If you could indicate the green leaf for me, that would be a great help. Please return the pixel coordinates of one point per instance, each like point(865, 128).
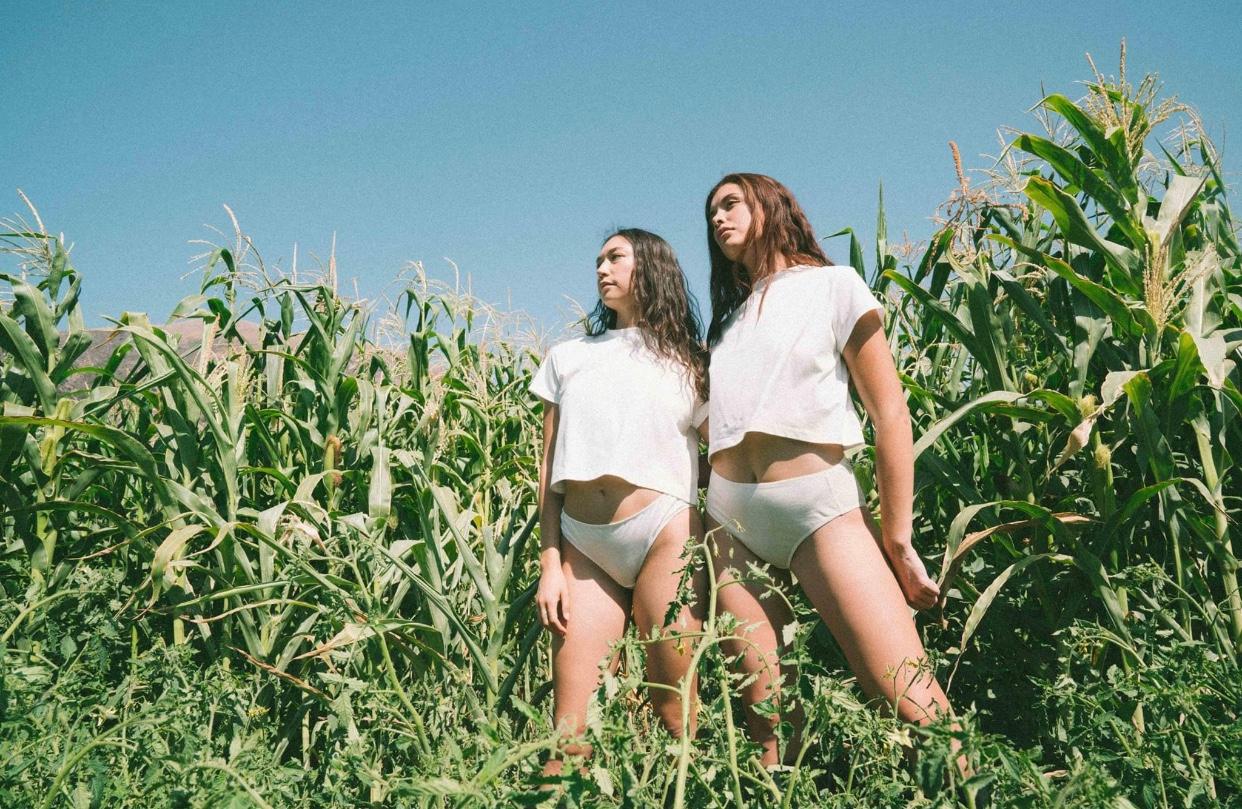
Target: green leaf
point(1114, 386)
point(445, 609)
point(1096, 186)
point(169, 550)
point(379, 494)
point(936, 308)
point(446, 501)
point(1133, 503)
point(1107, 300)
point(75, 345)
point(30, 304)
point(989, 594)
point(1030, 307)
point(1178, 199)
point(957, 530)
point(1214, 352)
point(989, 335)
point(1090, 564)
point(1077, 228)
point(129, 447)
point(856, 256)
point(1186, 368)
point(980, 405)
point(18, 343)
point(1116, 163)
point(1153, 446)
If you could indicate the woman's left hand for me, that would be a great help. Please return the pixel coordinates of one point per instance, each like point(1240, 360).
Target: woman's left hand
point(920, 590)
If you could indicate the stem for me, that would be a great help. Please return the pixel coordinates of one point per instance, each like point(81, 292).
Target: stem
point(28, 610)
point(683, 689)
point(72, 760)
point(707, 639)
point(405, 699)
point(1041, 586)
point(245, 785)
point(730, 726)
point(1229, 566)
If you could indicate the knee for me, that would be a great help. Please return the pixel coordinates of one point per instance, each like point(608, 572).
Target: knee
point(921, 710)
point(570, 728)
point(667, 708)
point(576, 748)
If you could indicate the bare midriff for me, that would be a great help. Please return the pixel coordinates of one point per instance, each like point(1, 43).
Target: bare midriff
point(605, 499)
point(763, 458)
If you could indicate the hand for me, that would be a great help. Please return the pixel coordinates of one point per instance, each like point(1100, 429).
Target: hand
point(919, 589)
point(552, 599)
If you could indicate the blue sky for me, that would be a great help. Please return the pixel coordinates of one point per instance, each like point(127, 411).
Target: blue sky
point(511, 137)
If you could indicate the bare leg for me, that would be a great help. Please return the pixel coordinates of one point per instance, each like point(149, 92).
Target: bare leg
point(668, 661)
point(759, 637)
point(847, 579)
point(600, 607)
point(845, 575)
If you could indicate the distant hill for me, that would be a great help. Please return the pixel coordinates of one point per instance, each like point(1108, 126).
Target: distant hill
point(189, 333)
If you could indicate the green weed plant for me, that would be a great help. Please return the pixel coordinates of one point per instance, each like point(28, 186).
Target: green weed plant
point(289, 562)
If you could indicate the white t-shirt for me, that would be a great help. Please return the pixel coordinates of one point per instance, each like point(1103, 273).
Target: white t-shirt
point(777, 368)
point(624, 412)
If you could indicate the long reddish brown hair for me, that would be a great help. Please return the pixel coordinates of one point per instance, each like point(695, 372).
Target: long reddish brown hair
point(778, 229)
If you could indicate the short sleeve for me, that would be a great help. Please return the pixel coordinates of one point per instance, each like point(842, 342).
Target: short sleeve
point(853, 300)
point(700, 415)
point(546, 383)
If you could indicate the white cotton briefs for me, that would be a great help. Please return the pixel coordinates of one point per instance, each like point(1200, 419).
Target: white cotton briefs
point(620, 548)
point(777, 368)
point(773, 519)
point(623, 412)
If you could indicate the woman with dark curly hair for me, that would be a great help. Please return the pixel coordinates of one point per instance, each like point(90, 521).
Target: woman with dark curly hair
point(622, 406)
point(789, 333)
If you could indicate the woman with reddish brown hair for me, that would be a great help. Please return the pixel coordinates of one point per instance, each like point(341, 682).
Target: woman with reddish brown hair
point(789, 332)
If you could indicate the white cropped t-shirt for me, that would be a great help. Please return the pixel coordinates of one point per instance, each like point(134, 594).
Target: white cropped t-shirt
point(623, 411)
point(777, 367)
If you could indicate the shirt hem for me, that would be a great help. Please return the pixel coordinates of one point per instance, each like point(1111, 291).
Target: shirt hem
point(558, 486)
point(846, 443)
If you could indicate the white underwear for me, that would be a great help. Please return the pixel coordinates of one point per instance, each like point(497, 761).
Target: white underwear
point(620, 548)
point(772, 519)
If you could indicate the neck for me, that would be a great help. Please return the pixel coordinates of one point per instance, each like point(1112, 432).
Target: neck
point(625, 319)
point(779, 262)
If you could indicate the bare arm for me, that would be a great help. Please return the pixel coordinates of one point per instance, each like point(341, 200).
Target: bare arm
point(874, 374)
point(552, 597)
point(550, 502)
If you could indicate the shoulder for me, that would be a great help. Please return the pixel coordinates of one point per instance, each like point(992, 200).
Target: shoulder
point(812, 283)
point(572, 345)
point(842, 280)
point(835, 273)
point(821, 275)
point(572, 349)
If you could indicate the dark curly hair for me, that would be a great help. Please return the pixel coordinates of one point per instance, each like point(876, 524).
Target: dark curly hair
point(778, 227)
point(667, 312)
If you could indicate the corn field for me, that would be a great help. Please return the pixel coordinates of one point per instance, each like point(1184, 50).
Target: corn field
point(291, 561)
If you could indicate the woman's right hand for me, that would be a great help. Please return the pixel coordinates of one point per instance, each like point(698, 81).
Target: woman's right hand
point(552, 599)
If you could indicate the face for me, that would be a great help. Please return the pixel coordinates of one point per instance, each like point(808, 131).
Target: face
point(730, 218)
point(614, 274)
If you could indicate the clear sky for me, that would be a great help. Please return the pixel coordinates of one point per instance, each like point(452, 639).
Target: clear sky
point(510, 137)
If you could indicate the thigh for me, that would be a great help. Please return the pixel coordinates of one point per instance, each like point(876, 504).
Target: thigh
point(657, 589)
point(660, 577)
point(760, 606)
point(846, 576)
point(762, 613)
point(598, 607)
